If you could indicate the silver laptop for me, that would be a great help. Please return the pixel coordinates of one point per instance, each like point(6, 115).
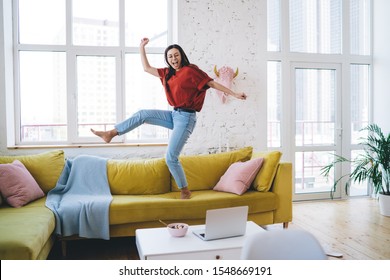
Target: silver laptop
point(224, 223)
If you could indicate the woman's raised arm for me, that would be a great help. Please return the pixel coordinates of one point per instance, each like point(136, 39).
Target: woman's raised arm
point(220, 87)
point(145, 63)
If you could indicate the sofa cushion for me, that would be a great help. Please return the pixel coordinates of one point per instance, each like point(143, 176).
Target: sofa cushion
point(17, 185)
point(25, 231)
point(148, 176)
point(45, 167)
point(239, 176)
point(169, 206)
point(204, 171)
point(265, 177)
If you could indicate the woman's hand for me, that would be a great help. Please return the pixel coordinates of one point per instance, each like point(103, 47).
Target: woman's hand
point(144, 42)
point(240, 95)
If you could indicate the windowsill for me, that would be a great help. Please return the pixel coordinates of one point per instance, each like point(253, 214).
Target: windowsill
point(76, 146)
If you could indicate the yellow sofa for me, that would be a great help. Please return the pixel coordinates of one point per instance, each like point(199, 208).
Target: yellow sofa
point(143, 193)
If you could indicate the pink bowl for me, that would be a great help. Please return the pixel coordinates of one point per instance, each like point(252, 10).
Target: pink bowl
point(177, 229)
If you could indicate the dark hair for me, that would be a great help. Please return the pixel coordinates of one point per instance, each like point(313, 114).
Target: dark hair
point(184, 61)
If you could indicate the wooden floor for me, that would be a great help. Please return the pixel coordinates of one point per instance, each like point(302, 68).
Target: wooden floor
point(352, 227)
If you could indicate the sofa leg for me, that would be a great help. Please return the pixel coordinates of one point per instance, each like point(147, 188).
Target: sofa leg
point(63, 249)
point(285, 225)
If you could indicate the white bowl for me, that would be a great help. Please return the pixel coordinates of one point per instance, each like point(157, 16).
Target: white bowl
point(177, 229)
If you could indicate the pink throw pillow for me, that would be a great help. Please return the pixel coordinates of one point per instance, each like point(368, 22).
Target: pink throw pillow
point(239, 176)
point(17, 186)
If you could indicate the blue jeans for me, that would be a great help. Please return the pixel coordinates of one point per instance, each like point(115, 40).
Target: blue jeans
point(181, 123)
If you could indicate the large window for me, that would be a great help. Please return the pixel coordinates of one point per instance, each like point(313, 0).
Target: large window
point(315, 26)
point(78, 67)
point(319, 86)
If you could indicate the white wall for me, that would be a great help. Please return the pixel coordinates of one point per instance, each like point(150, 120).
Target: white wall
point(231, 33)
point(381, 69)
point(2, 85)
point(217, 32)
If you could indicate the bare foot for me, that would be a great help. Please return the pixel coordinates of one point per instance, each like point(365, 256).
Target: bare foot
point(185, 193)
point(105, 135)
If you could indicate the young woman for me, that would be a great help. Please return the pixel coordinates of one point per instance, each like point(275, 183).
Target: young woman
point(185, 88)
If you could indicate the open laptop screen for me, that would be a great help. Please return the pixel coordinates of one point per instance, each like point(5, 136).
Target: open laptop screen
point(224, 223)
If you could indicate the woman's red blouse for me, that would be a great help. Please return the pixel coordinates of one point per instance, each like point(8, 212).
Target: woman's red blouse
point(187, 88)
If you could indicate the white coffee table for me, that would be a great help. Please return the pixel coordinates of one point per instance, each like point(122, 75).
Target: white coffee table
point(158, 244)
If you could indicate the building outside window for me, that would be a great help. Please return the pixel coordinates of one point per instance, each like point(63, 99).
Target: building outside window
point(78, 67)
point(319, 86)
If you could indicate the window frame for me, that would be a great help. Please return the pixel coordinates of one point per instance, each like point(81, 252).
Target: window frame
point(71, 52)
point(286, 58)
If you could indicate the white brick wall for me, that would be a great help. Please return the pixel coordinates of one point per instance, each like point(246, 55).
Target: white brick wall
point(217, 32)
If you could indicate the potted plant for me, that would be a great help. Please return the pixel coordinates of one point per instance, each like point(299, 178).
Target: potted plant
point(372, 165)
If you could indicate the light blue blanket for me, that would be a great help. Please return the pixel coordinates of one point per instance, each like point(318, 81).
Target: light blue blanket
point(81, 199)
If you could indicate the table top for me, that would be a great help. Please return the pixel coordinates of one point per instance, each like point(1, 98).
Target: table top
point(157, 241)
